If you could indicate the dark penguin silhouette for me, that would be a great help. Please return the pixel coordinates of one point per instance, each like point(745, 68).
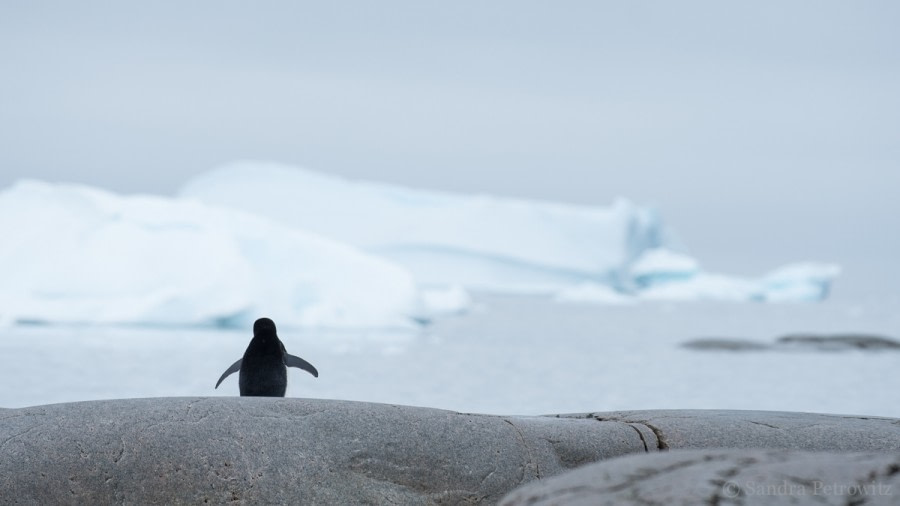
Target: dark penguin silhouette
point(264, 366)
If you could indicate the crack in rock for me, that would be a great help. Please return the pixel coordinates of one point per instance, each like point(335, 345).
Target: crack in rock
point(640, 435)
point(661, 443)
point(531, 462)
point(121, 453)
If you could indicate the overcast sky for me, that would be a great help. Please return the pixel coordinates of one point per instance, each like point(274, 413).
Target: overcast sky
point(765, 131)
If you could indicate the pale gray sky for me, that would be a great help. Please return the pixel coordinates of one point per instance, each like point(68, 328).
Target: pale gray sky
point(765, 131)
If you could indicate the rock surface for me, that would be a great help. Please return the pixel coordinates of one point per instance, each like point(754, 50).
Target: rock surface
point(289, 451)
point(724, 344)
point(721, 477)
point(833, 342)
point(795, 342)
point(284, 450)
point(697, 428)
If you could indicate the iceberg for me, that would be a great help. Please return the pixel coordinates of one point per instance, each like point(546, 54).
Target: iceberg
point(610, 255)
point(307, 249)
point(477, 241)
point(804, 282)
point(667, 276)
point(660, 266)
point(74, 254)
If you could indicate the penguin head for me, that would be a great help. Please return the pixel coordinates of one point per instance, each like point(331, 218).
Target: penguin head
point(263, 326)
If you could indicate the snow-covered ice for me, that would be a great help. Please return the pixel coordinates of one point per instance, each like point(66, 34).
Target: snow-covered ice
point(661, 266)
point(499, 244)
point(798, 282)
point(479, 241)
point(314, 250)
point(74, 254)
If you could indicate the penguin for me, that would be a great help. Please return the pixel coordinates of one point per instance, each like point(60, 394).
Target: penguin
point(264, 365)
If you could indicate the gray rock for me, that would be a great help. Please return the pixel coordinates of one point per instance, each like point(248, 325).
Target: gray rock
point(284, 450)
point(720, 477)
point(832, 342)
point(698, 428)
point(815, 342)
point(277, 450)
point(724, 344)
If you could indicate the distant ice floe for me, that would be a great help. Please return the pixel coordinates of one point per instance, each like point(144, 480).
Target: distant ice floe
point(307, 249)
point(778, 286)
point(662, 275)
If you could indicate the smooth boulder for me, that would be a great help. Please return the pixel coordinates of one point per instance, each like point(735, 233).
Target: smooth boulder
point(699, 428)
point(720, 477)
point(286, 450)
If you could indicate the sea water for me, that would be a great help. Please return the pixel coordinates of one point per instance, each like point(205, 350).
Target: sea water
point(508, 355)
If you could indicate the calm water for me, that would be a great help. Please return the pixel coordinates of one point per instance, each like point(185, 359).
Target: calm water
point(511, 355)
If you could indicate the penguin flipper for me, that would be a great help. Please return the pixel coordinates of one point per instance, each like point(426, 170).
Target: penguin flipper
point(235, 367)
point(292, 361)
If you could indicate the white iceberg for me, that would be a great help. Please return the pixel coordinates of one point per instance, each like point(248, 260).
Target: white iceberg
point(478, 241)
point(661, 275)
point(661, 266)
point(73, 254)
point(577, 253)
point(805, 282)
point(312, 250)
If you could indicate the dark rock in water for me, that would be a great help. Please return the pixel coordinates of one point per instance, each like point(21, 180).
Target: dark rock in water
point(724, 344)
point(823, 342)
point(840, 341)
point(744, 477)
point(270, 450)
